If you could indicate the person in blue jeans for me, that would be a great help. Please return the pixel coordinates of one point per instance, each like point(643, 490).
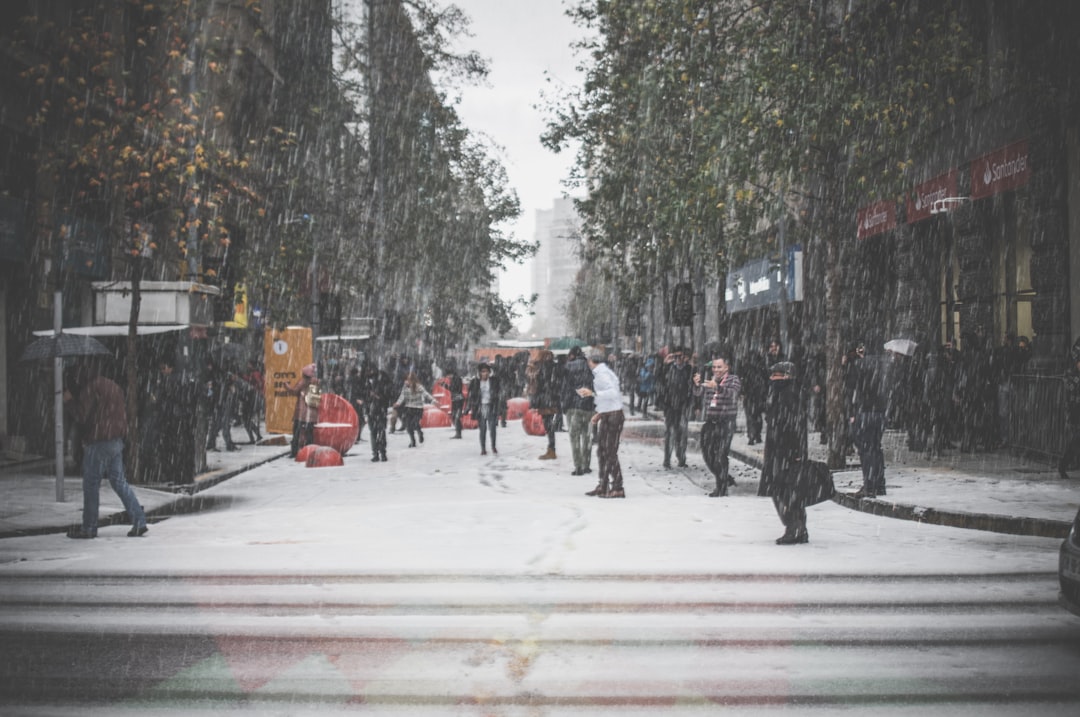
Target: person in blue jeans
point(99, 410)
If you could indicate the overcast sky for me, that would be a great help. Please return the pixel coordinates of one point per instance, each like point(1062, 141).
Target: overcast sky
point(522, 40)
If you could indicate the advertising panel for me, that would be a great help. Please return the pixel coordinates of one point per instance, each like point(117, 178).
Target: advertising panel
point(286, 352)
point(875, 218)
point(920, 202)
point(1001, 170)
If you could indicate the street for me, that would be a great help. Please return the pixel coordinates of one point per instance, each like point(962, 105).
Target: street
point(443, 582)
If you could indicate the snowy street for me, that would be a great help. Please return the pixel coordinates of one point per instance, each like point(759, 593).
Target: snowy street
point(447, 582)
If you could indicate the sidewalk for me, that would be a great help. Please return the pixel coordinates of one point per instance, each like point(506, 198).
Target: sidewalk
point(28, 490)
point(996, 492)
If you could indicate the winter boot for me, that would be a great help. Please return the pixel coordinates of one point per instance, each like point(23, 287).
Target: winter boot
point(550, 455)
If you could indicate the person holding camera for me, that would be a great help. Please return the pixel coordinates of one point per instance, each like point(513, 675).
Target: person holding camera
point(721, 392)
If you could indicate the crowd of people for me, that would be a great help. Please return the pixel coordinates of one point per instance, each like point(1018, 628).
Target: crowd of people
point(943, 399)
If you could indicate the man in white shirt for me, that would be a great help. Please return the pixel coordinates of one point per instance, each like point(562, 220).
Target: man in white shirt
point(609, 424)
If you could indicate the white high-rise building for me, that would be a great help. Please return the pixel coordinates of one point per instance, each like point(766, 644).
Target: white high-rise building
point(555, 266)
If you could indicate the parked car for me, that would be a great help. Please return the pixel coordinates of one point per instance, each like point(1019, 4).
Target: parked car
point(1069, 569)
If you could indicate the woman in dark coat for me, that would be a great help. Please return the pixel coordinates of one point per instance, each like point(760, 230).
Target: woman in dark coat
point(785, 454)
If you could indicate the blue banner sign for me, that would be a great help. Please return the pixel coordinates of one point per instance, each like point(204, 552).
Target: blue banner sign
point(763, 282)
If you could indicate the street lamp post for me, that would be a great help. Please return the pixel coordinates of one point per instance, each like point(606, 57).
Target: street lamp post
point(310, 221)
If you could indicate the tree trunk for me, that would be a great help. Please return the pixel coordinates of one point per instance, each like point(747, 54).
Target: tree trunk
point(132, 374)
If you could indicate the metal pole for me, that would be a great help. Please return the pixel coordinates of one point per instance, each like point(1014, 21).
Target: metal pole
point(58, 398)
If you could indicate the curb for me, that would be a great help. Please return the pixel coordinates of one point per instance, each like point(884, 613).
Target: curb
point(1010, 525)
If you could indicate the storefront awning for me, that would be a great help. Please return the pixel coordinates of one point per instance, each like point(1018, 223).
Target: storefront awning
point(116, 330)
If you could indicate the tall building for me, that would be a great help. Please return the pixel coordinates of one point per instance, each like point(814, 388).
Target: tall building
point(555, 266)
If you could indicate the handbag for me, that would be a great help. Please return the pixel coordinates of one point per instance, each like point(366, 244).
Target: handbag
point(817, 482)
point(313, 397)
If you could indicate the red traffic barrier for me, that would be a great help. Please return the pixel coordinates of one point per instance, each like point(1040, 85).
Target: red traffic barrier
point(304, 452)
point(324, 456)
point(441, 392)
point(338, 424)
point(533, 423)
point(435, 417)
point(516, 408)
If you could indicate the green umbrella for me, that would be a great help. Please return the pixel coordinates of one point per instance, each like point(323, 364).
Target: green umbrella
point(566, 343)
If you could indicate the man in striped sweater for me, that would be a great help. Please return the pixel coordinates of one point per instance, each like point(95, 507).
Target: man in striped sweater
point(721, 406)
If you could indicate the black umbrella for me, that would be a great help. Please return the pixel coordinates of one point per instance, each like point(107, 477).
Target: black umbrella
point(61, 345)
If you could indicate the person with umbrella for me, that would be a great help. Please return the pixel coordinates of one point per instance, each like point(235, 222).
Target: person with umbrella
point(97, 405)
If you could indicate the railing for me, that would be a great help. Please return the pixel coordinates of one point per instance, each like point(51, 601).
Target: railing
point(1037, 415)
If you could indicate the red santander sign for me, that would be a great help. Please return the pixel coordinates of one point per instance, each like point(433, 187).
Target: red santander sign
point(1001, 170)
point(875, 218)
point(920, 202)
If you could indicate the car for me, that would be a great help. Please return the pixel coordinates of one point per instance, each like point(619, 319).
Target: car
point(1069, 569)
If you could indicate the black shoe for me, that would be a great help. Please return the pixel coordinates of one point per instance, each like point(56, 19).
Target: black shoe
point(374, 459)
point(682, 464)
point(383, 459)
point(80, 534)
point(666, 464)
point(577, 472)
point(793, 539)
point(138, 532)
point(718, 493)
point(231, 449)
point(587, 470)
point(421, 437)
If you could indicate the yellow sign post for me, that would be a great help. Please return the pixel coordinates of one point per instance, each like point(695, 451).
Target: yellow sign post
point(287, 351)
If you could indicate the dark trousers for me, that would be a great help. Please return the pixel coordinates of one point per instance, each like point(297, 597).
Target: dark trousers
point(412, 418)
point(487, 420)
point(715, 444)
point(869, 428)
point(608, 431)
point(303, 433)
point(1072, 447)
point(549, 428)
point(377, 433)
point(755, 412)
point(676, 434)
point(457, 408)
point(792, 512)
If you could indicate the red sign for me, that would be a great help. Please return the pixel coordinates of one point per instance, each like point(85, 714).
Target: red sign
point(876, 218)
point(920, 202)
point(1001, 170)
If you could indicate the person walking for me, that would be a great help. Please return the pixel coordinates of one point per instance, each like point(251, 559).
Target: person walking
point(677, 388)
point(785, 453)
point(305, 415)
point(544, 396)
point(484, 404)
point(251, 401)
point(410, 404)
point(456, 387)
point(721, 393)
point(97, 405)
point(646, 384)
point(608, 420)
point(378, 394)
point(578, 409)
point(1072, 414)
point(225, 392)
